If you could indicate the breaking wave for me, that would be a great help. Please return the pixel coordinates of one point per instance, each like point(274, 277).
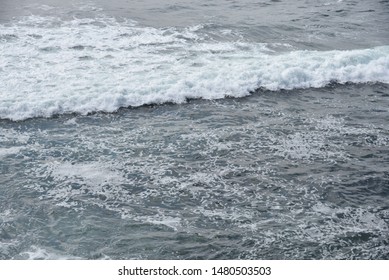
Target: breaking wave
point(49, 66)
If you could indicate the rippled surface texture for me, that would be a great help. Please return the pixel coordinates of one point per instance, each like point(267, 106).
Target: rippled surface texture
point(180, 130)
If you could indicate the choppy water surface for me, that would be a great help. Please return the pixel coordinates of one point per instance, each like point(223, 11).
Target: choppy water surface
point(259, 177)
point(267, 136)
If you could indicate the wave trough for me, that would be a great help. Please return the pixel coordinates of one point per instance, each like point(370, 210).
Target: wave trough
point(49, 66)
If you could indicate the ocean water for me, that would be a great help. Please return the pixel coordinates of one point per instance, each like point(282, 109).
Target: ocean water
point(194, 129)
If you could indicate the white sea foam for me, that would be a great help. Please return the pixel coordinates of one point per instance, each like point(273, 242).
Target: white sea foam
point(36, 253)
point(93, 174)
point(49, 66)
point(9, 151)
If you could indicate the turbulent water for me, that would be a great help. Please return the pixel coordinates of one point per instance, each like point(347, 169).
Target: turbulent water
point(194, 129)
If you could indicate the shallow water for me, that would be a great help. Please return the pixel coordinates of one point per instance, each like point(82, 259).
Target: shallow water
point(267, 137)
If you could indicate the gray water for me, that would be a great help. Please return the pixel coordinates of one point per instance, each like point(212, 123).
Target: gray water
point(297, 168)
point(307, 24)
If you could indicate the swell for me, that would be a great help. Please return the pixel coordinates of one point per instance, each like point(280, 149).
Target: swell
point(49, 66)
